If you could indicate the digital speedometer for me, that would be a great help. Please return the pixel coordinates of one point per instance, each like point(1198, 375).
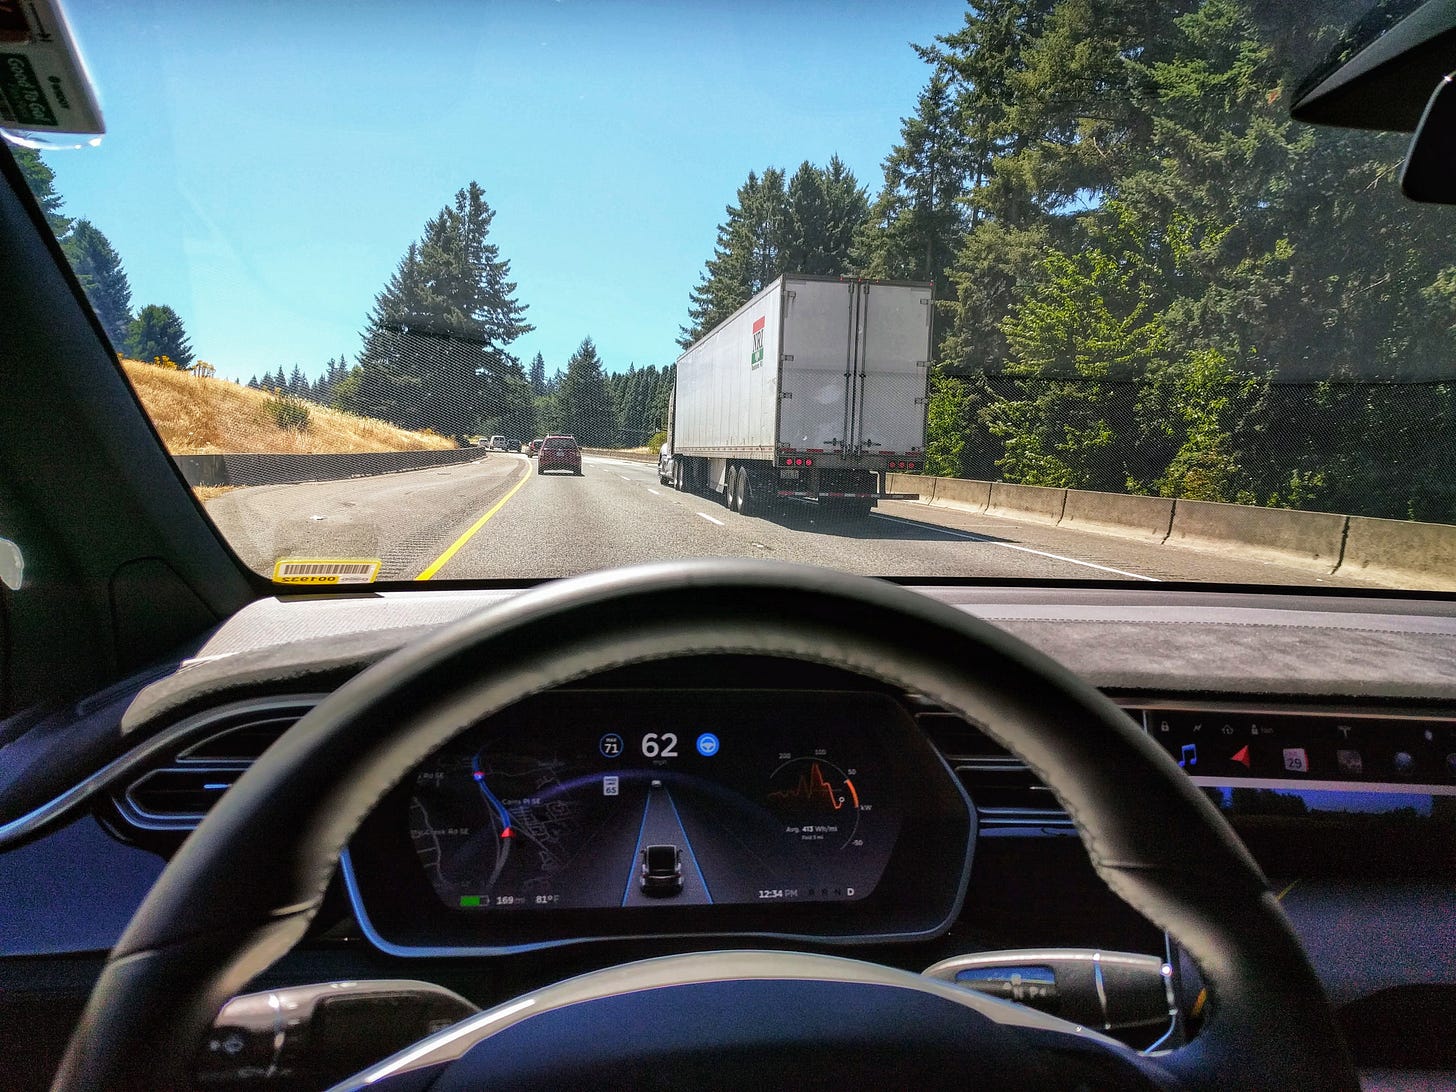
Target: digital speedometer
point(590, 813)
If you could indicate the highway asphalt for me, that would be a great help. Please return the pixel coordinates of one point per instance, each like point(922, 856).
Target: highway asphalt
point(499, 518)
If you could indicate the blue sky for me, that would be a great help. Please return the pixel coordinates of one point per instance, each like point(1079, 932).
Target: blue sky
point(267, 163)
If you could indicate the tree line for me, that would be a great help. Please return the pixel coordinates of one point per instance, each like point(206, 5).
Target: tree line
point(436, 352)
point(149, 333)
point(1148, 279)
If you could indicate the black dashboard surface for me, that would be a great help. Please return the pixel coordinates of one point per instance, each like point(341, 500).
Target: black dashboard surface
point(1370, 891)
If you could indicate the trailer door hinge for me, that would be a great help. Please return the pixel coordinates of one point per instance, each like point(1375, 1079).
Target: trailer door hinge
point(786, 394)
point(787, 358)
point(926, 302)
point(922, 401)
point(790, 294)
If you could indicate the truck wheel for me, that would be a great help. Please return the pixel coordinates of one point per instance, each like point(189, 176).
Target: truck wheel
point(747, 505)
point(730, 487)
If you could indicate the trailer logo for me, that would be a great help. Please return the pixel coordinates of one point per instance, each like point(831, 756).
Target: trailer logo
point(757, 358)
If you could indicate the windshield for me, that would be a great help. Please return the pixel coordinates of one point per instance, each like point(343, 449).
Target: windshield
point(1010, 290)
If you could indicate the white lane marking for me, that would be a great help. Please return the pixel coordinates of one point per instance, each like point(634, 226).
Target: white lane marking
point(654, 492)
point(710, 519)
point(969, 536)
point(624, 477)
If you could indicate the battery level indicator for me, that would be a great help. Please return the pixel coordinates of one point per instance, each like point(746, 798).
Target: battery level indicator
point(469, 900)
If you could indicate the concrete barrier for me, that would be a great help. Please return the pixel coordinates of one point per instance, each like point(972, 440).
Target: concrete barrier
point(281, 469)
point(1311, 540)
point(634, 456)
point(923, 484)
point(963, 493)
point(1036, 503)
point(1392, 551)
point(1122, 514)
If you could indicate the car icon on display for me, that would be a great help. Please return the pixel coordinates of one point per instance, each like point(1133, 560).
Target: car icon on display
point(661, 870)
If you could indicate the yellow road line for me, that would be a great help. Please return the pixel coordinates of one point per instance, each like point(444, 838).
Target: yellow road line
point(436, 565)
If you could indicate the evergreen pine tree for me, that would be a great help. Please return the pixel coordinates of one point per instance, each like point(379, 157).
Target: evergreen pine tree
point(585, 406)
point(98, 268)
point(919, 215)
point(807, 227)
point(42, 182)
point(435, 341)
point(745, 257)
point(157, 331)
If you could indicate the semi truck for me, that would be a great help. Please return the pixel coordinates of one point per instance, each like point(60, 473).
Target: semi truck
point(814, 390)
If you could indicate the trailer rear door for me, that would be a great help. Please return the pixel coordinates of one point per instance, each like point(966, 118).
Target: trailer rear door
point(892, 363)
point(816, 346)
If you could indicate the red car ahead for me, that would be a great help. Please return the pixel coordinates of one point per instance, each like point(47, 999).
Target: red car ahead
point(559, 453)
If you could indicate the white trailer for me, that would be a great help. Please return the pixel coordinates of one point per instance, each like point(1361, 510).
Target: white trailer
point(815, 389)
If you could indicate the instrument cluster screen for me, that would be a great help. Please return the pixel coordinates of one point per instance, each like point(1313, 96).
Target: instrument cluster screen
point(575, 804)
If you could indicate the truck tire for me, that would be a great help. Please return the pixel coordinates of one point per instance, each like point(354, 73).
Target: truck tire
point(747, 503)
point(730, 486)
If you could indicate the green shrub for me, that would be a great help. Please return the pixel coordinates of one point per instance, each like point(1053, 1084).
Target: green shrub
point(655, 442)
point(287, 411)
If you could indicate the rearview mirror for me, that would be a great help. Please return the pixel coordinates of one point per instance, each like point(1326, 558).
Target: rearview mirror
point(1429, 173)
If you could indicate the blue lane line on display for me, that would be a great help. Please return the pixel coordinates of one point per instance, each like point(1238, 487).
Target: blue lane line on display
point(637, 853)
point(687, 847)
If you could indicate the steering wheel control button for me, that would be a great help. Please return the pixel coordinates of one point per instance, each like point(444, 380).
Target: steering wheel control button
point(707, 745)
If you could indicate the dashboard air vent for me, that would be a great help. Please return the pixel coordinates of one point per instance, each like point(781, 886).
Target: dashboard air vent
point(177, 794)
point(1006, 794)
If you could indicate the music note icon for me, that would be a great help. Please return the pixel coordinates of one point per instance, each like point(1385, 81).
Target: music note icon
point(1190, 755)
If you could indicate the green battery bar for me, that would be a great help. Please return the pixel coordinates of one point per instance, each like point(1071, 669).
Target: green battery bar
point(469, 900)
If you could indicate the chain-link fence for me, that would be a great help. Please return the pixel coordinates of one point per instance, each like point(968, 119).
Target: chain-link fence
point(1359, 446)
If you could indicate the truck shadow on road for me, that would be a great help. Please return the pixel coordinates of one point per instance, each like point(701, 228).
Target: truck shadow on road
point(877, 526)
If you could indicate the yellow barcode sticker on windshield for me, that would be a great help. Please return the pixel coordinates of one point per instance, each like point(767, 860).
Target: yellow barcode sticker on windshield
point(326, 570)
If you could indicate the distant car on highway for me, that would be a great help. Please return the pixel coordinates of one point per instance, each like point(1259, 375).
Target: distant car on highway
point(559, 453)
point(513, 446)
point(535, 448)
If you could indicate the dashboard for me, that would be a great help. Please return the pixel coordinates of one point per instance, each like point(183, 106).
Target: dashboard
point(727, 802)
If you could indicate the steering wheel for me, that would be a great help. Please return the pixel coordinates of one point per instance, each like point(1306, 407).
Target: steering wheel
point(242, 889)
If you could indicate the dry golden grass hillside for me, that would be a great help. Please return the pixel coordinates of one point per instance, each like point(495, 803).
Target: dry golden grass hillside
point(202, 416)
